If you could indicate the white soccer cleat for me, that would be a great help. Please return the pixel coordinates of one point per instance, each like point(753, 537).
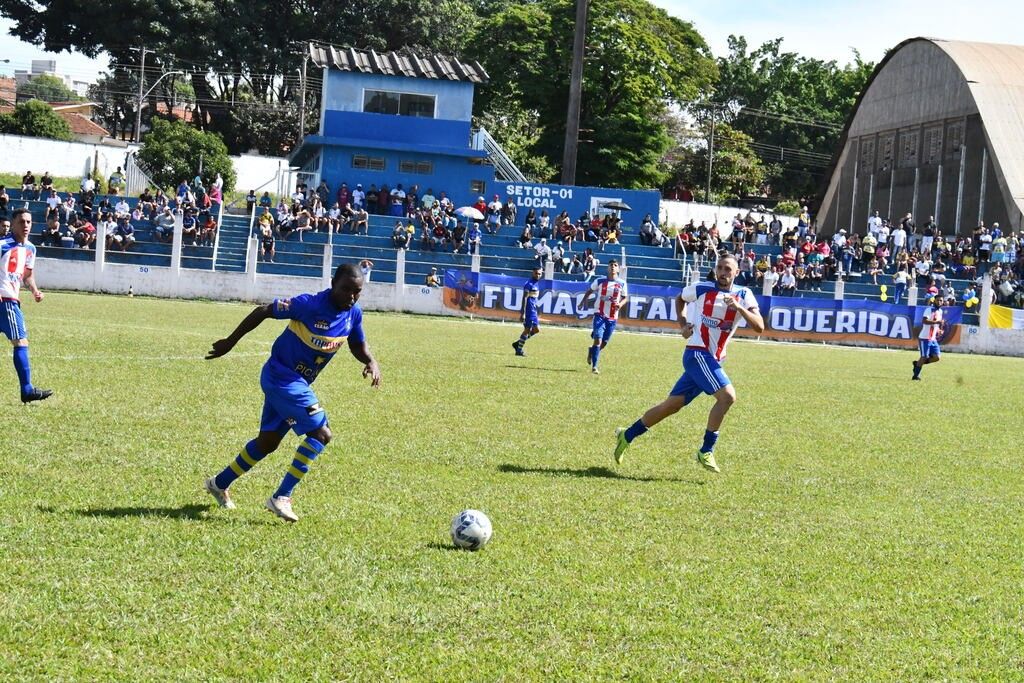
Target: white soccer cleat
point(282, 507)
point(222, 496)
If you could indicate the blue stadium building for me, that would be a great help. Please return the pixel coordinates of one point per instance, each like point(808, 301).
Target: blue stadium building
point(396, 118)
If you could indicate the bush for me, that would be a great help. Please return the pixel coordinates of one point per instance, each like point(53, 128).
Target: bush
point(35, 119)
point(173, 151)
point(788, 208)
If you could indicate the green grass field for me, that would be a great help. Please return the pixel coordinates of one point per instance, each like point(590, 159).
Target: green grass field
point(864, 527)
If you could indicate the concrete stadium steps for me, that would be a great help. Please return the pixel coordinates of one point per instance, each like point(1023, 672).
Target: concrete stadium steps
point(232, 244)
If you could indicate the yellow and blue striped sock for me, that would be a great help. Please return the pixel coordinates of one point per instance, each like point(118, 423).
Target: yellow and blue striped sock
point(243, 462)
point(306, 453)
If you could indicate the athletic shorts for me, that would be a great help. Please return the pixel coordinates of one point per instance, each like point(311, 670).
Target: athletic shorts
point(702, 374)
point(603, 328)
point(928, 348)
point(291, 405)
point(12, 322)
point(531, 321)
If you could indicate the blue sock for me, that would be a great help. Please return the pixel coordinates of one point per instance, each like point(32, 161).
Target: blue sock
point(243, 462)
point(710, 439)
point(636, 429)
point(595, 353)
point(23, 368)
point(304, 457)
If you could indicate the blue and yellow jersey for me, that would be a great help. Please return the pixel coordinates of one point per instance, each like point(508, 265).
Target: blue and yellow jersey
point(531, 290)
point(316, 332)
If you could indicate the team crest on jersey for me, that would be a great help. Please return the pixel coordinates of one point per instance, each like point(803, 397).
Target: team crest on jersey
point(322, 325)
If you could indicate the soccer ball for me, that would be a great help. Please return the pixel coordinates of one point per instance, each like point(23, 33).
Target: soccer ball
point(471, 530)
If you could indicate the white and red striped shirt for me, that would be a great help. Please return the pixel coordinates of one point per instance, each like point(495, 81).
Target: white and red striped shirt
point(15, 259)
point(713, 322)
point(931, 332)
point(609, 296)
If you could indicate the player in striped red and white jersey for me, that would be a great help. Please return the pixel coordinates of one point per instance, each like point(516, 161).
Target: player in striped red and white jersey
point(17, 260)
point(717, 309)
point(928, 338)
point(610, 295)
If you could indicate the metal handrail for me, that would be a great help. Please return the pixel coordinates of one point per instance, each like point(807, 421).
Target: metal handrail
point(216, 237)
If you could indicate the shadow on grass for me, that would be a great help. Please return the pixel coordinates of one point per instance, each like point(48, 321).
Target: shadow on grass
point(596, 472)
point(445, 546)
point(190, 511)
point(527, 367)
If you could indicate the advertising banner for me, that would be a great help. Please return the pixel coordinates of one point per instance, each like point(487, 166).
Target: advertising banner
point(649, 307)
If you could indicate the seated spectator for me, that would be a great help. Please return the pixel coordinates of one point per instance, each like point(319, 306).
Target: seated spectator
point(124, 235)
point(432, 279)
point(508, 212)
point(815, 274)
point(266, 201)
point(542, 252)
point(525, 237)
point(647, 228)
point(303, 222)
point(46, 182)
point(137, 214)
point(28, 181)
point(439, 234)
point(802, 276)
point(559, 258)
point(531, 220)
point(939, 272)
point(209, 231)
point(160, 201)
point(85, 234)
point(359, 222)
point(121, 208)
point(87, 186)
point(164, 230)
point(590, 264)
point(458, 237)
point(334, 219)
point(107, 229)
point(565, 230)
point(400, 237)
point(51, 231)
point(474, 238)
point(787, 282)
point(874, 270)
point(319, 220)
point(544, 225)
point(266, 234)
point(189, 229)
point(494, 216)
point(576, 267)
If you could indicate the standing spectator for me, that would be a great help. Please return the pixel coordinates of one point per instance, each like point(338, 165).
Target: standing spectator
point(774, 230)
point(344, 197)
point(358, 198)
point(397, 200)
point(900, 281)
point(427, 201)
point(493, 215)
point(266, 240)
point(984, 246)
point(647, 231)
point(366, 268)
point(5, 200)
point(250, 202)
point(209, 231)
point(874, 225)
point(928, 237)
point(899, 238)
point(372, 197)
point(323, 193)
point(115, 182)
point(868, 246)
point(909, 230)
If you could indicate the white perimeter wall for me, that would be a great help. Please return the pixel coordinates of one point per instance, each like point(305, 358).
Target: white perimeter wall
point(680, 213)
point(194, 284)
point(19, 154)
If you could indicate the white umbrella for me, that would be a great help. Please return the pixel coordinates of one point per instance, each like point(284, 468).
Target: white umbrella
point(469, 213)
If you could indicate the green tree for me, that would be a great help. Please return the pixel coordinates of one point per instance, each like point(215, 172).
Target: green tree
point(639, 61)
point(173, 151)
point(35, 119)
point(736, 170)
point(48, 89)
point(794, 108)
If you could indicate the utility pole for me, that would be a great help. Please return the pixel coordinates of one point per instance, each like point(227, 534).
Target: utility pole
point(302, 103)
point(138, 105)
point(711, 154)
point(572, 120)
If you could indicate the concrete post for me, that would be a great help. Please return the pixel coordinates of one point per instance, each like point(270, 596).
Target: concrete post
point(960, 189)
point(475, 267)
point(986, 301)
point(912, 293)
point(101, 257)
point(176, 245)
point(984, 179)
point(327, 266)
point(840, 289)
point(399, 279)
point(251, 255)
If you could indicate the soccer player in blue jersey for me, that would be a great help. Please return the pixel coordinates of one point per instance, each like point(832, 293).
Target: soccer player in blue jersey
point(610, 294)
point(17, 261)
point(529, 316)
point(717, 309)
point(320, 325)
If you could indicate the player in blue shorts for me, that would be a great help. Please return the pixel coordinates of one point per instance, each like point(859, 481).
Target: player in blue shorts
point(320, 325)
point(717, 308)
point(610, 294)
point(529, 316)
point(928, 338)
point(17, 261)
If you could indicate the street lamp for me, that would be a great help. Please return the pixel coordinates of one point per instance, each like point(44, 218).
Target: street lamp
point(142, 97)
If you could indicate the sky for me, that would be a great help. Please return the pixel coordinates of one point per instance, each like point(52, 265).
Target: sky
point(831, 29)
point(825, 29)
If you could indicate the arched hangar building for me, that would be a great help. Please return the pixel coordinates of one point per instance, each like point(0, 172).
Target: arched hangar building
point(937, 131)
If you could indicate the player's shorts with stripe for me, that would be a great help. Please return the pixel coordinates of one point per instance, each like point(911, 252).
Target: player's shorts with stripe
point(531, 321)
point(12, 322)
point(289, 405)
point(702, 374)
point(928, 348)
point(603, 328)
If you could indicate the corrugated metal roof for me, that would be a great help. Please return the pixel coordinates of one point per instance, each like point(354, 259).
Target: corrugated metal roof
point(436, 67)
